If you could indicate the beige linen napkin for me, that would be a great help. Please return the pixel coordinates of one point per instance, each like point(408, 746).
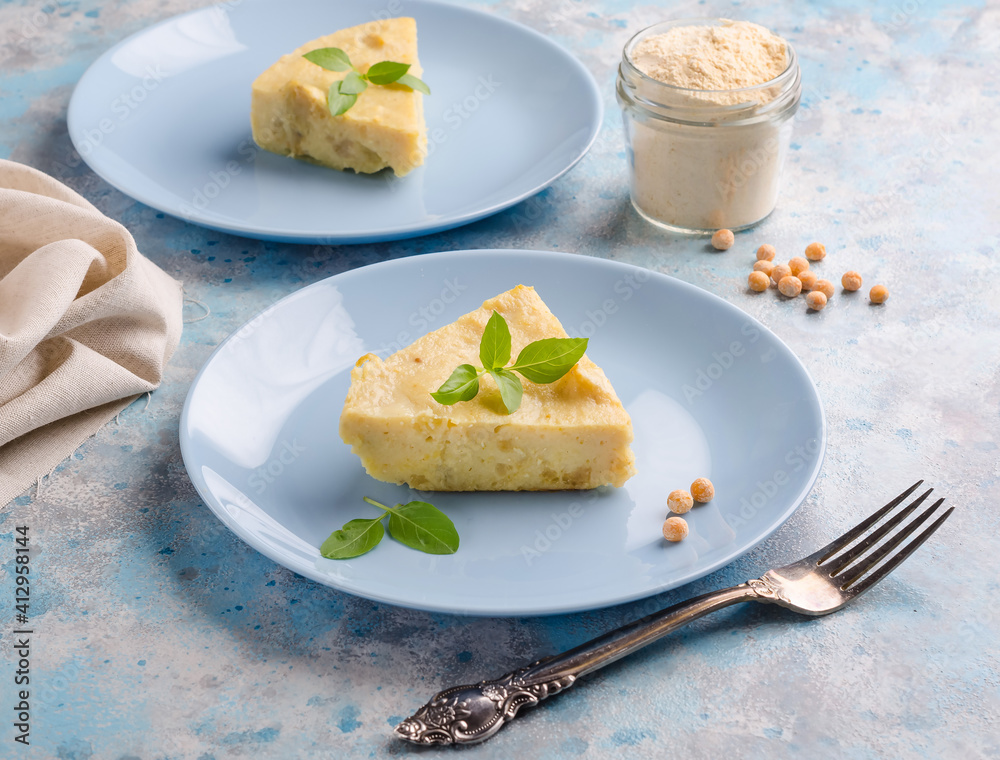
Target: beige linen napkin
point(87, 323)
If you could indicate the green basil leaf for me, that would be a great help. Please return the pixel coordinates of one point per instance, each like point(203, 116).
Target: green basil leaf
point(386, 72)
point(338, 102)
point(331, 59)
point(354, 539)
point(545, 361)
point(414, 83)
point(461, 386)
point(424, 527)
point(494, 348)
point(510, 388)
point(353, 84)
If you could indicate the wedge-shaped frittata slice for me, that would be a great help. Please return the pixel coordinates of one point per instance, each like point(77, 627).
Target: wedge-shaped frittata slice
point(570, 434)
point(384, 128)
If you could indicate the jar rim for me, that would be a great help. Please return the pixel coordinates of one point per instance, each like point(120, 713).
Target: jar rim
point(786, 76)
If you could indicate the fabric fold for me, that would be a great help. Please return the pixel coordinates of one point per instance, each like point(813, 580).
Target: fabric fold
point(87, 323)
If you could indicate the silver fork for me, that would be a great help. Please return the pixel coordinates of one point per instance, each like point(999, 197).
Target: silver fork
point(817, 585)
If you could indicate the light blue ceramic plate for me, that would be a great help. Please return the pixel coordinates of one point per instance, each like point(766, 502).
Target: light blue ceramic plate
point(712, 393)
point(164, 116)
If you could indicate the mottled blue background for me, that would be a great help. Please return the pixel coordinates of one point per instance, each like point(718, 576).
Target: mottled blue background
point(160, 635)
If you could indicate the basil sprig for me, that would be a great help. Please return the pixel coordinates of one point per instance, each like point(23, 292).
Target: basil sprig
point(343, 95)
point(417, 524)
point(543, 361)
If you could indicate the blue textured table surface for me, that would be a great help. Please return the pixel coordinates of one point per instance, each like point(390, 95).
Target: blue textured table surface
point(161, 635)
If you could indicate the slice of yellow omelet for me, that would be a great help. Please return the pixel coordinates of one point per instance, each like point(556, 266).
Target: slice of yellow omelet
point(384, 128)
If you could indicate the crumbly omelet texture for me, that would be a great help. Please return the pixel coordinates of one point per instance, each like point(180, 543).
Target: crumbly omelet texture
point(384, 128)
point(570, 434)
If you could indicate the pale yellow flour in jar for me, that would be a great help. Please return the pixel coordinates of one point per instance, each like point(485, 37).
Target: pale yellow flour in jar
point(706, 151)
point(735, 55)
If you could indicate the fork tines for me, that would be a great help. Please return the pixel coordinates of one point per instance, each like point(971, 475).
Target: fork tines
point(852, 567)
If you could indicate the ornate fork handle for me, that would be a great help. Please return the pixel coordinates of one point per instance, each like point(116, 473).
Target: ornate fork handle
point(818, 584)
point(469, 714)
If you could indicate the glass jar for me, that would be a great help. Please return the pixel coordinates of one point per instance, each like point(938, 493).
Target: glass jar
point(701, 160)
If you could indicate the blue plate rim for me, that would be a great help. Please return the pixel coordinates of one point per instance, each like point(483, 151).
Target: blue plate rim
point(349, 587)
point(402, 232)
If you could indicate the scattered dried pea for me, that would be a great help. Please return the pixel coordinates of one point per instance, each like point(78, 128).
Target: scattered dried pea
point(780, 271)
point(851, 281)
point(723, 240)
point(790, 286)
point(808, 280)
point(758, 281)
point(815, 251)
point(798, 265)
point(702, 490)
point(675, 529)
point(795, 277)
point(764, 266)
point(766, 253)
point(816, 300)
point(825, 287)
point(878, 294)
point(680, 502)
